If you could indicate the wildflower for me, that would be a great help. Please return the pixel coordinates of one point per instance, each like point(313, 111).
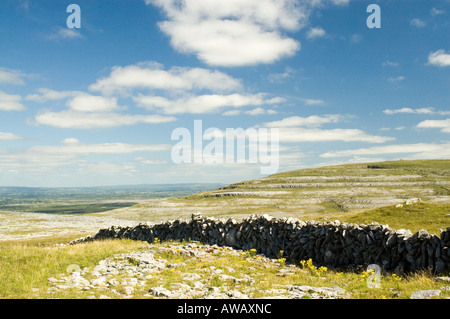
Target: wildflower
point(339, 273)
point(396, 278)
point(303, 263)
point(323, 269)
point(252, 252)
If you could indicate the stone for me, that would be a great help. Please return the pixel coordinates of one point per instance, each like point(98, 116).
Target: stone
point(444, 279)
point(425, 294)
point(128, 290)
point(333, 244)
point(412, 201)
point(160, 291)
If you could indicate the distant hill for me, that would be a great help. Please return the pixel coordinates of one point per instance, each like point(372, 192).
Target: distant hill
point(81, 200)
point(349, 187)
point(316, 193)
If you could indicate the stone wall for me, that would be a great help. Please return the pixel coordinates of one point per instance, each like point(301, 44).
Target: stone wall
point(332, 244)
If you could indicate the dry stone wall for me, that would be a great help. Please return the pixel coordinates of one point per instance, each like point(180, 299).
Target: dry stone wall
point(332, 244)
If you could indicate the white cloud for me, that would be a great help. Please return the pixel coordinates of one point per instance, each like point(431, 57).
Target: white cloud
point(231, 113)
point(316, 33)
point(313, 101)
point(311, 121)
point(356, 38)
point(300, 134)
point(89, 103)
point(279, 77)
point(65, 33)
point(439, 58)
point(8, 76)
point(396, 79)
point(390, 63)
point(233, 32)
point(204, 103)
point(421, 150)
point(51, 95)
point(340, 2)
point(424, 110)
point(70, 153)
point(444, 125)
point(10, 102)
point(435, 12)
point(9, 137)
point(260, 111)
point(72, 147)
point(418, 23)
point(305, 129)
point(83, 120)
point(151, 75)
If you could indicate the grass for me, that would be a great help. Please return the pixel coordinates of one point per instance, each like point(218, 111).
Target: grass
point(432, 217)
point(26, 267)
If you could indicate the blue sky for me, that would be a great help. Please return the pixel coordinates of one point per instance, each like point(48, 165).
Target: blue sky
point(97, 105)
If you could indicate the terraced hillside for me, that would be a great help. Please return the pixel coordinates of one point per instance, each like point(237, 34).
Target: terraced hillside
point(310, 193)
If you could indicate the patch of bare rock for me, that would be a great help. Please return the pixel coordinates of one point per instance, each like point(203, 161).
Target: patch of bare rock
point(125, 275)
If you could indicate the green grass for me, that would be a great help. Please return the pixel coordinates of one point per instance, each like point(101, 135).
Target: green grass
point(432, 217)
point(421, 167)
point(27, 265)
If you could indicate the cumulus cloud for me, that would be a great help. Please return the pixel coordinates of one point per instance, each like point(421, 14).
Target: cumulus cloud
point(70, 153)
point(9, 137)
point(313, 101)
point(390, 63)
point(439, 58)
point(84, 120)
point(10, 102)
point(408, 110)
point(90, 103)
point(443, 125)
point(435, 12)
point(311, 121)
point(233, 32)
point(300, 134)
point(307, 129)
point(422, 150)
point(65, 33)
point(204, 103)
point(280, 77)
point(8, 76)
point(418, 23)
point(45, 95)
point(396, 79)
point(316, 33)
point(151, 75)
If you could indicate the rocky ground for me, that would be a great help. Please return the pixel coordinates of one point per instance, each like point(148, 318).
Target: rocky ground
point(133, 275)
point(127, 275)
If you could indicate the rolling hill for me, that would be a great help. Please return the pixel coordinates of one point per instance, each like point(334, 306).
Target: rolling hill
point(331, 192)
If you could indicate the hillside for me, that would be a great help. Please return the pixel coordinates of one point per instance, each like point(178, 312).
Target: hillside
point(319, 193)
point(357, 193)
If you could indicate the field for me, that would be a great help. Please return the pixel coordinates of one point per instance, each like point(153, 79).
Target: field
point(344, 192)
point(357, 193)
